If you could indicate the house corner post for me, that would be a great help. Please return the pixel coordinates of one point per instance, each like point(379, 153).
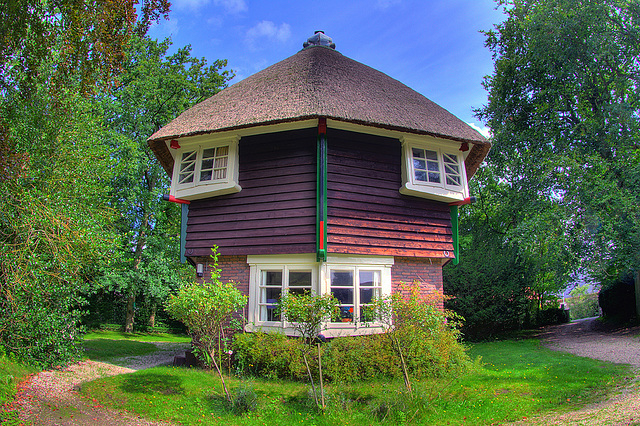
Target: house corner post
point(183, 232)
point(321, 191)
point(453, 210)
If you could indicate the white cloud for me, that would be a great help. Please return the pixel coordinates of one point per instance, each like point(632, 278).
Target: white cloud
point(267, 30)
point(484, 130)
point(189, 4)
point(232, 6)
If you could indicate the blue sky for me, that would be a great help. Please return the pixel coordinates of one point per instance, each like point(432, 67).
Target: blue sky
point(434, 47)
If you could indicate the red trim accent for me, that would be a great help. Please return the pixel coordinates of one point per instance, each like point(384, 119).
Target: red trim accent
point(466, 201)
point(174, 144)
point(173, 199)
point(322, 126)
point(464, 146)
point(322, 235)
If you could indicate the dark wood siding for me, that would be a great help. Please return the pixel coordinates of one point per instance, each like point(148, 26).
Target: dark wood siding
point(274, 213)
point(366, 212)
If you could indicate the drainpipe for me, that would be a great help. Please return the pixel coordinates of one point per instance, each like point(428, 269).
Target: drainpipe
point(453, 210)
point(183, 222)
point(321, 191)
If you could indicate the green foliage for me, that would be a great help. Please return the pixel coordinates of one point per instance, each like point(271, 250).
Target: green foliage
point(83, 41)
point(617, 298)
point(306, 312)
point(207, 309)
point(268, 355)
point(54, 226)
point(154, 88)
point(582, 305)
point(244, 400)
point(563, 109)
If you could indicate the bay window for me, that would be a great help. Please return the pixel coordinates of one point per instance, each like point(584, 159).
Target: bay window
point(435, 171)
point(205, 168)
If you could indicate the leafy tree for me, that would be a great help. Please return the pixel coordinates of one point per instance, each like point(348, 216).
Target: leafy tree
point(413, 322)
point(306, 313)
point(54, 224)
point(206, 309)
point(564, 111)
point(154, 88)
point(84, 40)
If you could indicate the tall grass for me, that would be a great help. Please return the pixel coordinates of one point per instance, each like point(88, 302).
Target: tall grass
point(11, 373)
point(517, 379)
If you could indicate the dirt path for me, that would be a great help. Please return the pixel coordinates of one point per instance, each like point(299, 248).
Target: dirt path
point(51, 398)
point(589, 338)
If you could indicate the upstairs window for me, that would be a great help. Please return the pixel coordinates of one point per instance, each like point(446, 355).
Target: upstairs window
point(205, 170)
point(432, 171)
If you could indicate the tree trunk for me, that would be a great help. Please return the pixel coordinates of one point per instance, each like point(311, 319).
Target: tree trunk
point(128, 324)
point(152, 316)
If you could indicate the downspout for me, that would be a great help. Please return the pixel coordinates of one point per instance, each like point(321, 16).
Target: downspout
point(321, 191)
point(183, 222)
point(453, 210)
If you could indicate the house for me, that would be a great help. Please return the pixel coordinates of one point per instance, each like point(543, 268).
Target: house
point(319, 174)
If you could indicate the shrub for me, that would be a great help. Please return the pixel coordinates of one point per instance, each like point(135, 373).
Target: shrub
point(268, 355)
point(244, 400)
point(617, 299)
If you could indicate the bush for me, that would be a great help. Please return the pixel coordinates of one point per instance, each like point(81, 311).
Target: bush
point(268, 355)
point(583, 306)
point(617, 299)
point(244, 400)
point(551, 316)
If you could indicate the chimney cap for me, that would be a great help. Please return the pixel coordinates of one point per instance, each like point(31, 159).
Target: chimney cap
point(319, 39)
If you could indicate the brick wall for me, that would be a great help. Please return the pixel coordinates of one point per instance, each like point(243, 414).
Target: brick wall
point(427, 272)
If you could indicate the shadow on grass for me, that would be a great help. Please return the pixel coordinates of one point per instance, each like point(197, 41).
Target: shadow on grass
point(152, 382)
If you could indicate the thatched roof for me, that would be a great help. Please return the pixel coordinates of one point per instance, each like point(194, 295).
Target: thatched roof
point(320, 82)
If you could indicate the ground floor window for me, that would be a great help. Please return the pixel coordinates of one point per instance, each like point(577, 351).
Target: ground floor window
point(354, 281)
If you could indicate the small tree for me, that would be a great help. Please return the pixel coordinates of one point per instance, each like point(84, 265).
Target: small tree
point(411, 319)
point(206, 309)
point(306, 312)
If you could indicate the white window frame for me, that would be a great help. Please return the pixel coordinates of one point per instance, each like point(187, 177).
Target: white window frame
point(441, 191)
point(205, 188)
point(320, 284)
point(286, 264)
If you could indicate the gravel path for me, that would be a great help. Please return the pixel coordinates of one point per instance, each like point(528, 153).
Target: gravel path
point(589, 338)
point(51, 398)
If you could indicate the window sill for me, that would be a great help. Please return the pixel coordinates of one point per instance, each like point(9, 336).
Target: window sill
point(207, 191)
point(432, 192)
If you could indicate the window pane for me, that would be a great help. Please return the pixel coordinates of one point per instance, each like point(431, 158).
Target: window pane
point(298, 290)
point(272, 278)
point(207, 164)
point(367, 294)
point(220, 174)
point(221, 162)
point(453, 180)
point(431, 155)
point(345, 314)
point(344, 295)
point(419, 164)
point(434, 177)
point(417, 153)
point(342, 278)
point(189, 156)
point(421, 175)
point(300, 279)
point(433, 166)
point(222, 151)
point(205, 175)
point(369, 278)
point(209, 153)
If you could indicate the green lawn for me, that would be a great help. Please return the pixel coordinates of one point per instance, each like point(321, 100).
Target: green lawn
point(518, 379)
point(108, 346)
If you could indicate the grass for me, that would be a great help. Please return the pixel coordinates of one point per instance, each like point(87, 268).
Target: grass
point(518, 379)
point(108, 346)
point(11, 373)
